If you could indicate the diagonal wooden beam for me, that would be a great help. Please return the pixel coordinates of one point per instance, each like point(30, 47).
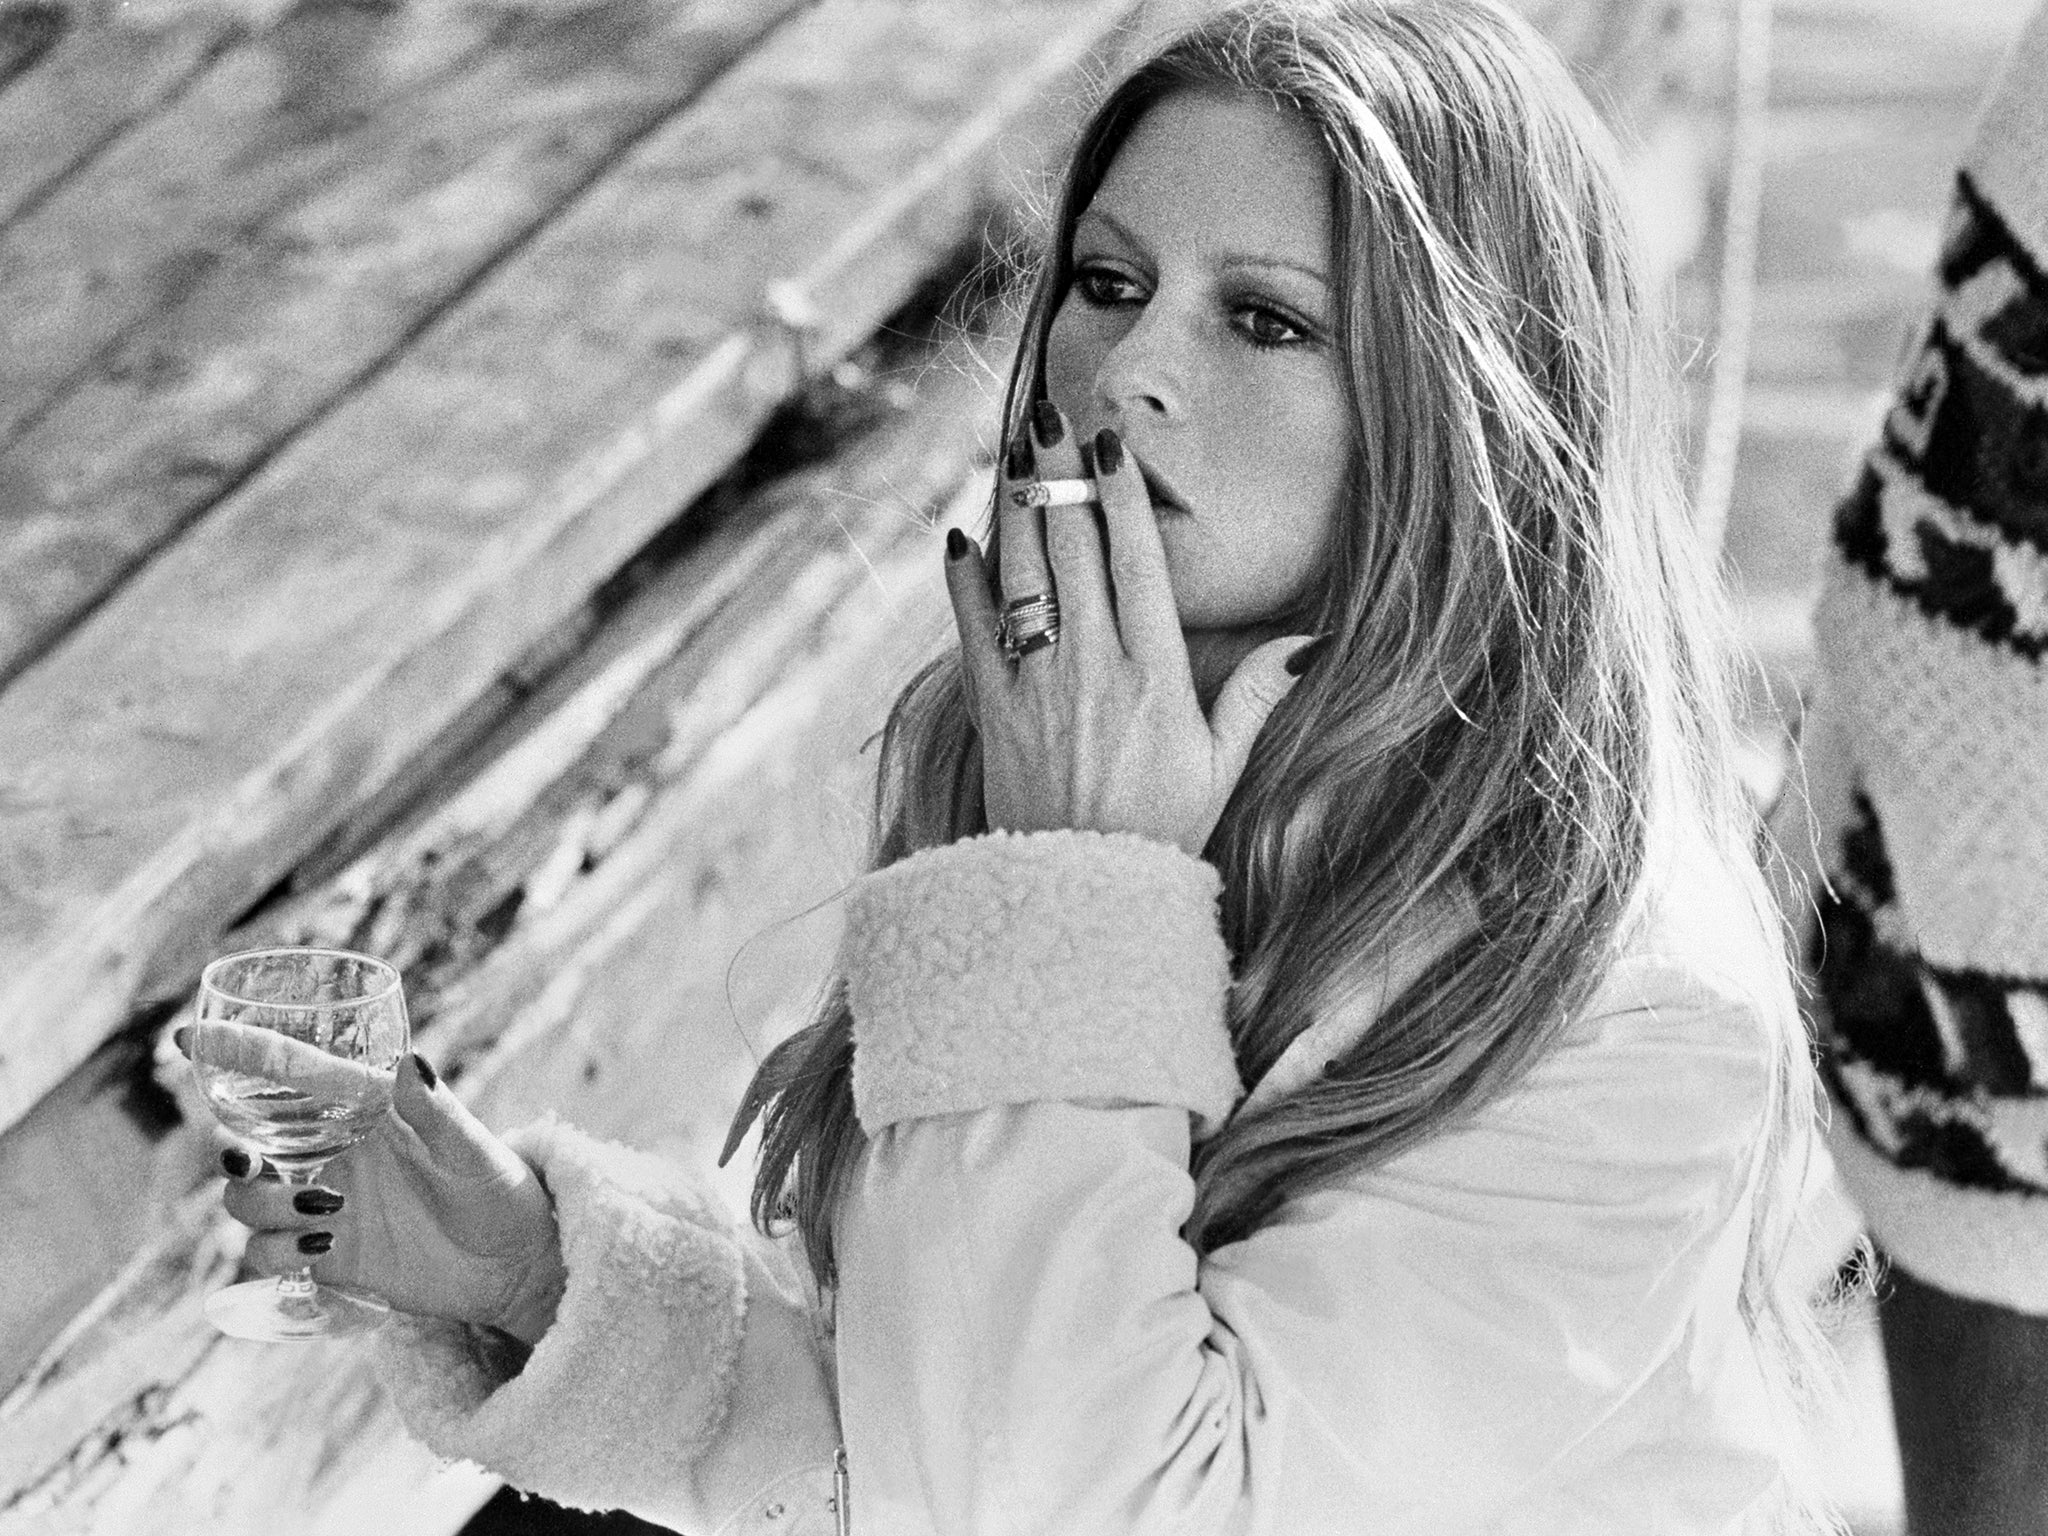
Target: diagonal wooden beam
point(94, 73)
point(177, 311)
point(185, 746)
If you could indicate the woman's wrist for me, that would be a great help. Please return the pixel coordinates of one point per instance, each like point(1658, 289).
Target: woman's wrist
point(530, 1311)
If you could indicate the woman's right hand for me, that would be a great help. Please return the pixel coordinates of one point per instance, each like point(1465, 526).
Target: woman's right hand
point(436, 1215)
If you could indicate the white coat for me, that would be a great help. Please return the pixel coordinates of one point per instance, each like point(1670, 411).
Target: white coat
point(1526, 1325)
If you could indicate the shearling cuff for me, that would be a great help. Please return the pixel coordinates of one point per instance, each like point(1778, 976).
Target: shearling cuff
point(632, 1380)
point(1049, 965)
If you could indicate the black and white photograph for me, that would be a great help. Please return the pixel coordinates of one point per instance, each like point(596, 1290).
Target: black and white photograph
point(1024, 767)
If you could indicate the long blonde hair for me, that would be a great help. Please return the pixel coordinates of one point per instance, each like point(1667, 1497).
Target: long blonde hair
point(1525, 690)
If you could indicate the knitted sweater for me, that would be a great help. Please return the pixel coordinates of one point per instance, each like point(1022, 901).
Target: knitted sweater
point(1927, 752)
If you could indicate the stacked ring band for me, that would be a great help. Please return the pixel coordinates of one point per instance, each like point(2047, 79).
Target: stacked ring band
point(1054, 493)
point(1029, 624)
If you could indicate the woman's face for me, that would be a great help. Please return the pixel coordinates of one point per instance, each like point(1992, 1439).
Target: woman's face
point(1201, 325)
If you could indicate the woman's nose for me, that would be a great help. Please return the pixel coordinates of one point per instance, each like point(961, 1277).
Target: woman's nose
point(1142, 374)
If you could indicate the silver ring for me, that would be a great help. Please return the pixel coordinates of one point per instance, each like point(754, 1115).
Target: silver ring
point(1029, 624)
point(1054, 493)
point(1043, 640)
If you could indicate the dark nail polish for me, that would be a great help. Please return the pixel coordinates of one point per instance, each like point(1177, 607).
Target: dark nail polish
point(316, 1202)
point(1306, 657)
point(181, 1037)
point(235, 1163)
point(1109, 452)
point(1045, 423)
point(956, 544)
point(425, 1068)
point(1017, 462)
point(316, 1242)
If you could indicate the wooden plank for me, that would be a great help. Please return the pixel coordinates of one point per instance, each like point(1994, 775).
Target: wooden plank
point(166, 1399)
point(262, 126)
point(269, 671)
point(732, 726)
point(28, 30)
point(211, 322)
point(99, 69)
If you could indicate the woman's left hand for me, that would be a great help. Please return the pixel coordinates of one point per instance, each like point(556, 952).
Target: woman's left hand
point(1101, 731)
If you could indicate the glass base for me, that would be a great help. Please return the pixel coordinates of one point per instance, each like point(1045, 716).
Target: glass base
point(274, 1313)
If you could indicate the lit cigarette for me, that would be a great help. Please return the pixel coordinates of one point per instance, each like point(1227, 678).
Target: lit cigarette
point(1054, 493)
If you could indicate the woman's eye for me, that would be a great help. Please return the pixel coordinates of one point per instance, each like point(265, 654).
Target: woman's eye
point(1102, 286)
point(1259, 323)
point(1264, 327)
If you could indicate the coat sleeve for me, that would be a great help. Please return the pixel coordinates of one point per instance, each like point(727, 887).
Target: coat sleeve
point(686, 1377)
point(1535, 1313)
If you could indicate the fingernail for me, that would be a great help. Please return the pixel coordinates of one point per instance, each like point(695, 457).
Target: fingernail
point(956, 544)
point(1017, 462)
point(1045, 423)
point(316, 1242)
point(181, 1037)
point(425, 1068)
point(1305, 658)
point(235, 1163)
point(1109, 452)
point(316, 1202)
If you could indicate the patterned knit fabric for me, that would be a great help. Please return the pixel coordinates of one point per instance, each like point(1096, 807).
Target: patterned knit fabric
point(1927, 752)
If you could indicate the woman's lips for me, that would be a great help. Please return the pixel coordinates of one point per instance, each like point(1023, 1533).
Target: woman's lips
point(1160, 489)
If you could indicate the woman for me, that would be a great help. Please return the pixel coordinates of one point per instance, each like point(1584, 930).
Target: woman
point(1435, 1180)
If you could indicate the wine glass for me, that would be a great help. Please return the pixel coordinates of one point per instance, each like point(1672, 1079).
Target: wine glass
point(295, 1051)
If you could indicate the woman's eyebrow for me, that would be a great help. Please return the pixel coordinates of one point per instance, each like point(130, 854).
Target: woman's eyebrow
point(1232, 260)
point(1225, 260)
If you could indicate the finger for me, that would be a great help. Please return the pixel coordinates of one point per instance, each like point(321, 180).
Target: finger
point(974, 615)
point(1020, 531)
point(1074, 548)
point(460, 1144)
point(1250, 695)
point(238, 1162)
point(268, 1205)
point(1147, 615)
point(225, 1046)
point(282, 1252)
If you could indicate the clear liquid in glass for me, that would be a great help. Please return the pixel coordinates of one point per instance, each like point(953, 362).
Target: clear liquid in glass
point(295, 1052)
point(287, 1125)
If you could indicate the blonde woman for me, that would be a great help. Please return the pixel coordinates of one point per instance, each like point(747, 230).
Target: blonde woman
point(1271, 1085)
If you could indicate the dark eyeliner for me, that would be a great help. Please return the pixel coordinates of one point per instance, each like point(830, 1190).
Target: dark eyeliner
point(1305, 334)
point(1086, 273)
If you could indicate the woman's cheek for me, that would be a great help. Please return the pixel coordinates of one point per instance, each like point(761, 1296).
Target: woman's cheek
point(1188, 574)
point(1220, 583)
point(1069, 371)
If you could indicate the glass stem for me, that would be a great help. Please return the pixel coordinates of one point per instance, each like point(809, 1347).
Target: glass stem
point(298, 1290)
